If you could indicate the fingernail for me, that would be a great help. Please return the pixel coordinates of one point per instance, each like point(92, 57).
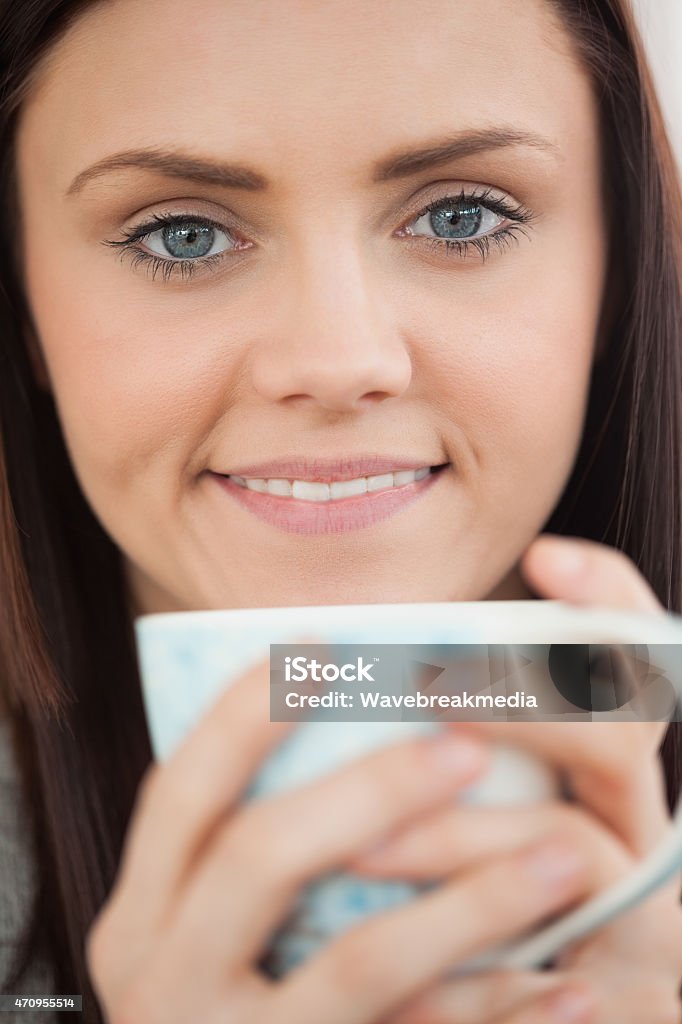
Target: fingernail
point(554, 864)
point(572, 1006)
point(456, 755)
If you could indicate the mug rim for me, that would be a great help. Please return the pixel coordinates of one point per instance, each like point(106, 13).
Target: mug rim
point(532, 615)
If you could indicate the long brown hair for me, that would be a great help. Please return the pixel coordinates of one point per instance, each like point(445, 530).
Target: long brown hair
point(68, 669)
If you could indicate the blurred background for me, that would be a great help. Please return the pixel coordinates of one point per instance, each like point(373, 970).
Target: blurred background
point(660, 22)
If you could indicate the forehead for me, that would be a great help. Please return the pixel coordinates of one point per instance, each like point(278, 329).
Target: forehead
point(301, 84)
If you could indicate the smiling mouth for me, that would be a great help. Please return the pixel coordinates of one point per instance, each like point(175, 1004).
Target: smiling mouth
point(334, 491)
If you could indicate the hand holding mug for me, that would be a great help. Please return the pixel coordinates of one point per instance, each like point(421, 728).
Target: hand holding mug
point(628, 971)
point(204, 880)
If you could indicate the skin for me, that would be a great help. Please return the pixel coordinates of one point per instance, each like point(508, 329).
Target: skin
point(157, 381)
point(333, 331)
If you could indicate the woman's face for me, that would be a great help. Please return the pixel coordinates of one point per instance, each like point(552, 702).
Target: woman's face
point(332, 321)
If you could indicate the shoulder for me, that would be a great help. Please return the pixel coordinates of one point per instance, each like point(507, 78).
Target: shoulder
point(17, 876)
point(17, 870)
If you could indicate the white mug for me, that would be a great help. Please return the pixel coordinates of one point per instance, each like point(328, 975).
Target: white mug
point(187, 659)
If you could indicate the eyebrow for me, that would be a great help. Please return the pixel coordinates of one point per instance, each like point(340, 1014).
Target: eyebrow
point(177, 164)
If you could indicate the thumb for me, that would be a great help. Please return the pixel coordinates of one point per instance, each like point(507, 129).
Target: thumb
point(587, 573)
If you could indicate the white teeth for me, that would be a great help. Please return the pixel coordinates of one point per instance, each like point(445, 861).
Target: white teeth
point(405, 476)
point(282, 487)
point(310, 491)
point(378, 483)
point(257, 485)
point(348, 488)
point(305, 490)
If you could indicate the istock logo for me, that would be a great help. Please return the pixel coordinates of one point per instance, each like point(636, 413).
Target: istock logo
point(298, 670)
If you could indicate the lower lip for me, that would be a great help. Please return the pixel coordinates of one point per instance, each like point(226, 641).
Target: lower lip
point(312, 517)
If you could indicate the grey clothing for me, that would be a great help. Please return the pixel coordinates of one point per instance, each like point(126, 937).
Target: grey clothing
point(17, 881)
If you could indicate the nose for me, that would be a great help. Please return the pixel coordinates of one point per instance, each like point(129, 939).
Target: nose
point(335, 342)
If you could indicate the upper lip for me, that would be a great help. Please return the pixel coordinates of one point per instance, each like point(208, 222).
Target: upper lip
point(327, 470)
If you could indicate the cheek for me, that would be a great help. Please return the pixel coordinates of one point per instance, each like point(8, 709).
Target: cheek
point(513, 370)
point(136, 392)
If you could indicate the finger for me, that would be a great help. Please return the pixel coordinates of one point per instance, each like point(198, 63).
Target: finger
point(646, 939)
point(612, 768)
point(255, 866)
point(576, 1003)
point(373, 968)
point(476, 999)
point(181, 802)
point(587, 573)
point(634, 998)
point(453, 839)
point(512, 997)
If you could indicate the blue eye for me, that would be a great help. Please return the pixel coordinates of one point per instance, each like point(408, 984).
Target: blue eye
point(178, 243)
point(459, 220)
point(460, 223)
point(186, 239)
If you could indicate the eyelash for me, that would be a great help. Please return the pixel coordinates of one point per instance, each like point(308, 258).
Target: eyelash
point(154, 262)
point(517, 213)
